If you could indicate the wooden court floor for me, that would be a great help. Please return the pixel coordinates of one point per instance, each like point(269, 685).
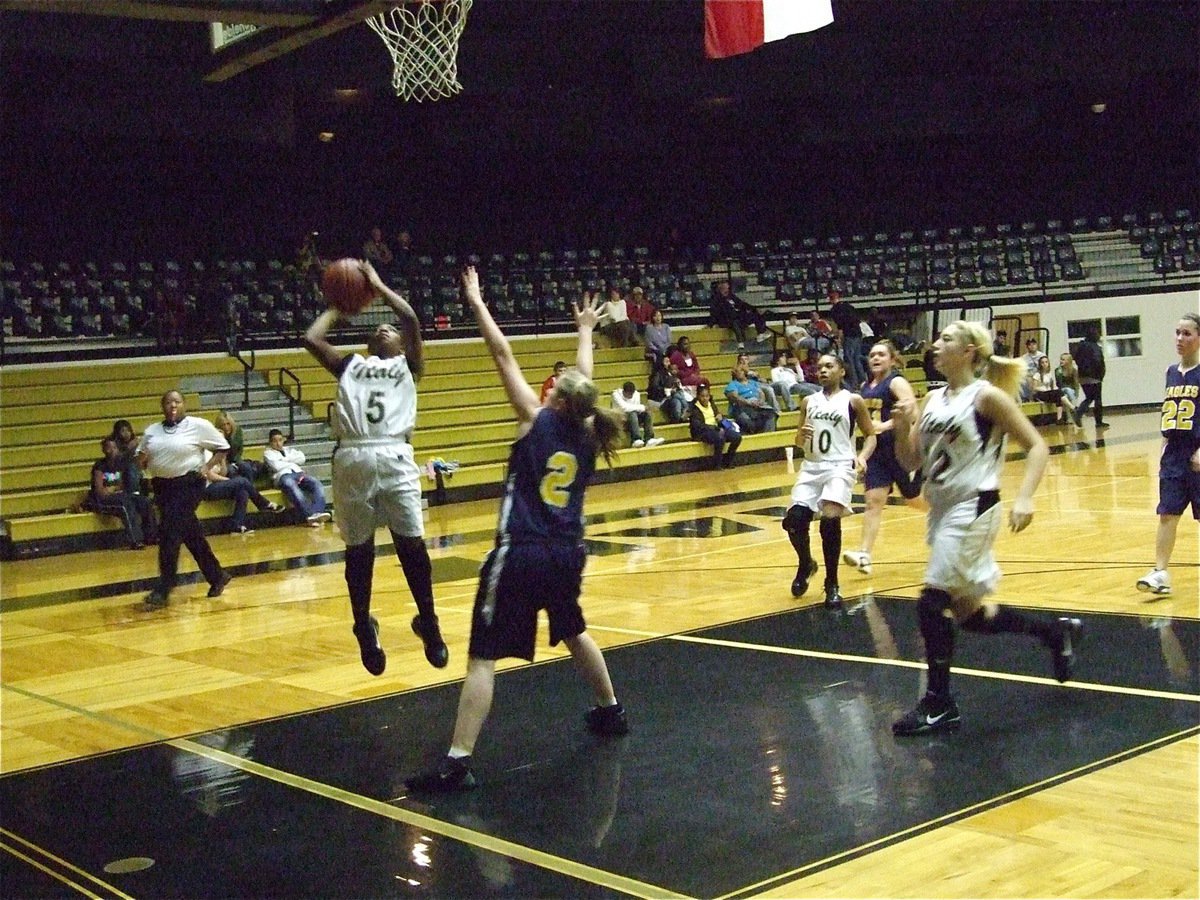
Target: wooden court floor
point(1084, 790)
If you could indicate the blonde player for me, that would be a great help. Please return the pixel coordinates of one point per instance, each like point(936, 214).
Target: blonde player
point(827, 475)
point(958, 439)
point(375, 478)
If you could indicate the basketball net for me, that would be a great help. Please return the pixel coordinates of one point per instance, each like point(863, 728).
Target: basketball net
point(423, 43)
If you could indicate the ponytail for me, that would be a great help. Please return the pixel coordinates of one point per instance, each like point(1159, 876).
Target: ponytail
point(1001, 371)
point(607, 432)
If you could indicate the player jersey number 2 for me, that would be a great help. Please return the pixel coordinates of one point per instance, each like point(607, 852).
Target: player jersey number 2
point(555, 488)
point(1177, 415)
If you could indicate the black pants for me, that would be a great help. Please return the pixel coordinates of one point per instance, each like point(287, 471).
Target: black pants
point(177, 499)
point(135, 514)
point(1092, 393)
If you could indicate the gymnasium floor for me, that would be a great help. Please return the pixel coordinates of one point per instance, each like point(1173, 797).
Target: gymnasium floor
point(236, 748)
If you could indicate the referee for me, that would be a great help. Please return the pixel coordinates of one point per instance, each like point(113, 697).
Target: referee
point(172, 454)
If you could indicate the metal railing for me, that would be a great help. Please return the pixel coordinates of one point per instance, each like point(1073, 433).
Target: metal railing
point(292, 400)
point(247, 368)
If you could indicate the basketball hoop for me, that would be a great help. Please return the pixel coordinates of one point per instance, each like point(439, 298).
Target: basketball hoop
point(423, 43)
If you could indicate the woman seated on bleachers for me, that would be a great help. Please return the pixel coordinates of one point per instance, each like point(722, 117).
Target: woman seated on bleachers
point(223, 486)
point(108, 497)
point(1043, 387)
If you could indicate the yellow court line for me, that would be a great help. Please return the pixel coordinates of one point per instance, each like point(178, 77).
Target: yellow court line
point(58, 876)
point(906, 664)
point(965, 812)
point(468, 836)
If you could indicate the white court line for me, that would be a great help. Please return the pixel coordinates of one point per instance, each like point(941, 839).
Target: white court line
point(904, 664)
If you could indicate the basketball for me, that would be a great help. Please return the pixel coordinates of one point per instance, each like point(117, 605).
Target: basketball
point(346, 287)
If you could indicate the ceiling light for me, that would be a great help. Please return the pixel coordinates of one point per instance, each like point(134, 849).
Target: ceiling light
point(325, 136)
point(1099, 107)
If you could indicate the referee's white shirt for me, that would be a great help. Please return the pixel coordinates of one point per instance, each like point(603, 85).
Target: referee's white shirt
point(174, 450)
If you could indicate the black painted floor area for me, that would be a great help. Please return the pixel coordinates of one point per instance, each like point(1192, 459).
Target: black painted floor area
point(745, 763)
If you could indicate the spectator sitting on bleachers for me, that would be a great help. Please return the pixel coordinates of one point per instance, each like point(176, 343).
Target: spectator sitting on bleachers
point(614, 320)
point(1044, 388)
point(788, 379)
point(1032, 354)
point(767, 390)
point(710, 427)
point(820, 334)
point(657, 338)
point(220, 485)
point(235, 463)
point(1067, 376)
point(548, 384)
point(667, 392)
point(812, 359)
point(686, 364)
point(794, 332)
point(109, 497)
point(306, 493)
point(746, 405)
point(628, 401)
point(727, 310)
point(641, 311)
point(376, 249)
point(127, 444)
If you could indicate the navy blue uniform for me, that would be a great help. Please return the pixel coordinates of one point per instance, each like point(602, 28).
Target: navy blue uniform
point(538, 559)
point(883, 468)
point(1178, 485)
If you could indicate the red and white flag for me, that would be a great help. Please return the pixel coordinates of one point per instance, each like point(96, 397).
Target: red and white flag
point(738, 26)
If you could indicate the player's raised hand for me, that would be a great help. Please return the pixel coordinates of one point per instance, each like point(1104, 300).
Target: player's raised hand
point(470, 285)
point(587, 312)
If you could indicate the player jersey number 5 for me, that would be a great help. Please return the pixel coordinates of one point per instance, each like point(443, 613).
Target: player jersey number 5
point(555, 487)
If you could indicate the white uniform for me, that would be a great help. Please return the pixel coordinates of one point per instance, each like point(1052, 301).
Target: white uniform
point(175, 450)
point(827, 473)
point(962, 454)
point(376, 480)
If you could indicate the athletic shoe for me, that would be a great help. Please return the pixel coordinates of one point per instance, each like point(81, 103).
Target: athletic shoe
point(243, 529)
point(861, 560)
point(156, 599)
point(218, 589)
point(763, 336)
point(452, 773)
point(374, 660)
point(1063, 647)
point(431, 636)
point(276, 508)
point(1156, 581)
point(1103, 425)
point(932, 714)
point(638, 443)
point(609, 720)
point(1078, 419)
point(654, 442)
point(833, 597)
point(319, 518)
point(800, 582)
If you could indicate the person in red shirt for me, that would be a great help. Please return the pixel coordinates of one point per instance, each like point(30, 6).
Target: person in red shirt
point(687, 365)
point(548, 384)
point(640, 310)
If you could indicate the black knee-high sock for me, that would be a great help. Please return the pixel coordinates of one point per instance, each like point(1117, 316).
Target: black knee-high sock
point(937, 628)
point(1009, 621)
point(418, 571)
point(831, 547)
point(360, 571)
point(796, 523)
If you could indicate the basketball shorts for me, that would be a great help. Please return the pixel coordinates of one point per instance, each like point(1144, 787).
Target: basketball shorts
point(820, 483)
point(517, 580)
point(960, 538)
point(884, 470)
point(1176, 492)
point(376, 484)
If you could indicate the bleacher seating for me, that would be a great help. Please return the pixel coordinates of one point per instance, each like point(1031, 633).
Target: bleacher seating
point(48, 448)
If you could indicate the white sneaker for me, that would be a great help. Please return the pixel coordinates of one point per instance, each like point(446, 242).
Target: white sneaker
point(1156, 581)
point(860, 561)
point(638, 444)
point(319, 518)
point(654, 442)
point(763, 336)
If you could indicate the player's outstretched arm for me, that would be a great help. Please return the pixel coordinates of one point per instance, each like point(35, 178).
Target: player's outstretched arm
point(410, 325)
point(523, 398)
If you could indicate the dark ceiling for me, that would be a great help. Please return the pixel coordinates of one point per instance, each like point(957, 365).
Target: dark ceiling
point(583, 120)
